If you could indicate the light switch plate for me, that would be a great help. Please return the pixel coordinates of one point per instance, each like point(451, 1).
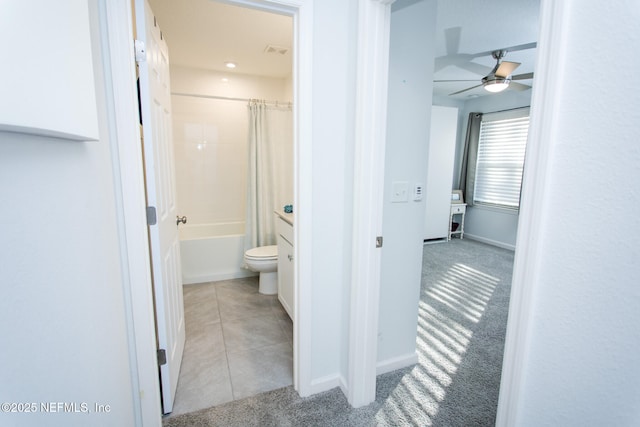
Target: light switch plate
point(400, 192)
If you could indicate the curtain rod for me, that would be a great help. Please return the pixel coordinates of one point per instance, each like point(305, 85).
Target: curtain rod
point(226, 98)
point(508, 109)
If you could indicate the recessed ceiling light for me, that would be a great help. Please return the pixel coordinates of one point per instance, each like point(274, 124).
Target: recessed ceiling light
point(230, 64)
point(224, 80)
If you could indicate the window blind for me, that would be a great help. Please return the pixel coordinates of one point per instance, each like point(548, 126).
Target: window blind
point(500, 162)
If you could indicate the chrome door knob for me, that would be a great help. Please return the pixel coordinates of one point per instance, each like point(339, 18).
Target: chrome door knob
point(181, 220)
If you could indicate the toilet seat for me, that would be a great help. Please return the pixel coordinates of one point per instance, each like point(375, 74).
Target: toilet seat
point(263, 253)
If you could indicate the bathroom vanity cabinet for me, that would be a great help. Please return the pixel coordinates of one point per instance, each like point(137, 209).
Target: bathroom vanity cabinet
point(284, 227)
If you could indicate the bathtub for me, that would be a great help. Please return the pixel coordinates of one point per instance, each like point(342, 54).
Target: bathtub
point(210, 252)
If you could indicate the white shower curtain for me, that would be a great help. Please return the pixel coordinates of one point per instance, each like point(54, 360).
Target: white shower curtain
point(270, 171)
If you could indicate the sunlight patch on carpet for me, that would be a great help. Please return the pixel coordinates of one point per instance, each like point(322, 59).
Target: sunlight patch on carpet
point(464, 290)
point(453, 304)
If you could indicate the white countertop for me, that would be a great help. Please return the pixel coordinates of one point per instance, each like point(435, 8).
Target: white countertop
point(288, 217)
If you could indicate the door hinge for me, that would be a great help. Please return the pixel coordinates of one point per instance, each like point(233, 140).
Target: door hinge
point(140, 51)
point(378, 241)
point(162, 357)
point(152, 219)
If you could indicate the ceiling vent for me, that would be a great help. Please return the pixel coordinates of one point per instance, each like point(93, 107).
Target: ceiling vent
point(279, 50)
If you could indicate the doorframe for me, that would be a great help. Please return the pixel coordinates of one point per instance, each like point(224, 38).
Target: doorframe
point(302, 13)
point(116, 34)
point(552, 38)
point(116, 37)
point(374, 29)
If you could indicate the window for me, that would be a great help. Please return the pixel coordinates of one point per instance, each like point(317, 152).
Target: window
point(500, 160)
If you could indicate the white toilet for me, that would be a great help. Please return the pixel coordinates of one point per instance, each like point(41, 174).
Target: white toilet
point(264, 260)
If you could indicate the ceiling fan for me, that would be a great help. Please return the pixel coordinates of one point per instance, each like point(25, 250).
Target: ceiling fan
point(500, 77)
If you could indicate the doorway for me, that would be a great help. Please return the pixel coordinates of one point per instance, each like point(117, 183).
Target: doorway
point(479, 265)
point(210, 159)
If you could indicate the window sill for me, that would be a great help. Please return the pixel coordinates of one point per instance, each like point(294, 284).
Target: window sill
point(493, 208)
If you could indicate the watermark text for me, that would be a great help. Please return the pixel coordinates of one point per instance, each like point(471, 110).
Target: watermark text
point(54, 407)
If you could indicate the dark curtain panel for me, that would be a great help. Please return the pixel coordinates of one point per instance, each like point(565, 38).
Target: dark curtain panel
point(469, 156)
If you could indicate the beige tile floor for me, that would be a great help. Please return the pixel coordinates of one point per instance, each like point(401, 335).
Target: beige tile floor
point(239, 344)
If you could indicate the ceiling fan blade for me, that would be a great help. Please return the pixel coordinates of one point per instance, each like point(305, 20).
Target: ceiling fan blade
point(518, 86)
point(516, 48)
point(525, 46)
point(464, 90)
point(524, 76)
point(479, 69)
point(506, 68)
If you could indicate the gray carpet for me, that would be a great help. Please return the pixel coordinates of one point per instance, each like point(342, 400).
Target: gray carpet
point(463, 313)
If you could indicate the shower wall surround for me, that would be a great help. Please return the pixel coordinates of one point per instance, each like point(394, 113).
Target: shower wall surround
point(210, 140)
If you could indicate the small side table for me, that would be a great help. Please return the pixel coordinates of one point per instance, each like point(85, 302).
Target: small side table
point(457, 209)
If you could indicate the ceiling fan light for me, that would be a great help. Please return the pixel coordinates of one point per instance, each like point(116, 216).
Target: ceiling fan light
point(497, 85)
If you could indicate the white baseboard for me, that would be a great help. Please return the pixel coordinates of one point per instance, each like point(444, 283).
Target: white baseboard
point(343, 386)
point(191, 280)
point(433, 241)
point(396, 363)
point(490, 241)
point(327, 383)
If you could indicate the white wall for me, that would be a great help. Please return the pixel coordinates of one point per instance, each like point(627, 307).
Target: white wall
point(210, 139)
point(334, 64)
point(206, 82)
point(581, 340)
point(288, 89)
point(408, 128)
point(62, 306)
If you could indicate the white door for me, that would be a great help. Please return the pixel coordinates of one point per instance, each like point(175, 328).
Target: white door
point(155, 97)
